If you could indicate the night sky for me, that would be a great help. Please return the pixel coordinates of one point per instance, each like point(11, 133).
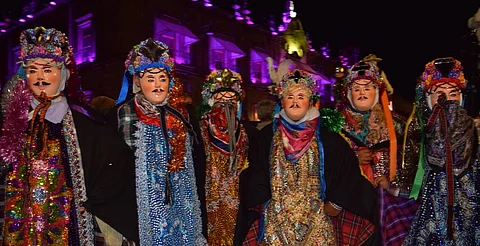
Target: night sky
point(405, 36)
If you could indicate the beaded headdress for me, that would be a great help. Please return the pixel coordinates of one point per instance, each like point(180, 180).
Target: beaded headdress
point(222, 80)
point(40, 42)
point(442, 70)
point(363, 70)
point(296, 78)
point(146, 55)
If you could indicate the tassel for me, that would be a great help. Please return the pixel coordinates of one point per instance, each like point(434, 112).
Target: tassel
point(450, 222)
point(168, 190)
point(231, 120)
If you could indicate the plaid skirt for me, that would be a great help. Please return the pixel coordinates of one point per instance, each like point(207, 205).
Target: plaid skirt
point(397, 214)
point(252, 235)
point(351, 229)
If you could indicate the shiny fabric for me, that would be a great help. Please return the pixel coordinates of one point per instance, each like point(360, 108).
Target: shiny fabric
point(431, 221)
point(369, 130)
point(178, 223)
point(161, 223)
point(43, 195)
point(295, 214)
point(38, 199)
point(430, 224)
point(222, 185)
point(297, 137)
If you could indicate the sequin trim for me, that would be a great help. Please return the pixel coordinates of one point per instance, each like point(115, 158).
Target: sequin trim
point(84, 219)
point(159, 223)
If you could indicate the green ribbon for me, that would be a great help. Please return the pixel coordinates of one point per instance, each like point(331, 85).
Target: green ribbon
point(417, 183)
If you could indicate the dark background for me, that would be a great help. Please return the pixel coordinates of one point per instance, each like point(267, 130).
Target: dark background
point(406, 34)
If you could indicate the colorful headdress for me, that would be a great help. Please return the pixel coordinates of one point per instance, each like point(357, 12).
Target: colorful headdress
point(146, 55)
point(44, 43)
point(442, 70)
point(222, 80)
point(296, 78)
point(363, 70)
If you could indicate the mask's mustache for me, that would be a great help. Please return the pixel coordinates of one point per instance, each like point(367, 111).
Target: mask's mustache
point(294, 106)
point(42, 83)
point(362, 97)
point(158, 90)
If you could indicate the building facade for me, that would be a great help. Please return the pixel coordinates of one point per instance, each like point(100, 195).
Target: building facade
point(201, 37)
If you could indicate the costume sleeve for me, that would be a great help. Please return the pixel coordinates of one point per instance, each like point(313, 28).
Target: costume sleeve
point(109, 169)
point(254, 188)
point(408, 158)
point(346, 187)
point(198, 151)
point(257, 176)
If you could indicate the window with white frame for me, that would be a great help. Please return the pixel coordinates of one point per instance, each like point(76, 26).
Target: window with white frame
point(224, 54)
point(85, 46)
point(178, 39)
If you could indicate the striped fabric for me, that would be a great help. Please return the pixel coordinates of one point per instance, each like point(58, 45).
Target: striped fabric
point(398, 214)
point(252, 235)
point(253, 232)
point(351, 229)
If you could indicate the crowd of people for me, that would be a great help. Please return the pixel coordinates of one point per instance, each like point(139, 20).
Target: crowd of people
point(149, 170)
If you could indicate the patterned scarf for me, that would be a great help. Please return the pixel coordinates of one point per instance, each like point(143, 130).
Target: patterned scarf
point(39, 116)
point(224, 130)
point(296, 137)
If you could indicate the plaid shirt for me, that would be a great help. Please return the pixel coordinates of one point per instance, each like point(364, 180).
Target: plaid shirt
point(127, 122)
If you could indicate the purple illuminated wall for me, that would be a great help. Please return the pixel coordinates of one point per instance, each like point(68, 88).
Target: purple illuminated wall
point(85, 48)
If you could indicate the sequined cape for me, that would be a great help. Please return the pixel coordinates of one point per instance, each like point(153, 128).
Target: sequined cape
point(160, 223)
point(345, 186)
point(107, 165)
point(222, 187)
point(430, 224)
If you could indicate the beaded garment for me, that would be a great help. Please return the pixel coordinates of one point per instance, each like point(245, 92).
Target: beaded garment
point(295, 214)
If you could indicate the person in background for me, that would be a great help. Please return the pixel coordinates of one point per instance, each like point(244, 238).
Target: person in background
point(265, 110)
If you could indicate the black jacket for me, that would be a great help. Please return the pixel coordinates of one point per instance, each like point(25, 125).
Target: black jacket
point(109, 169)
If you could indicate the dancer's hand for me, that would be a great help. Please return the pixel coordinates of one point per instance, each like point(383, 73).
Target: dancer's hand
point(364, 155)
point(382, 181)
point(330, 210)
